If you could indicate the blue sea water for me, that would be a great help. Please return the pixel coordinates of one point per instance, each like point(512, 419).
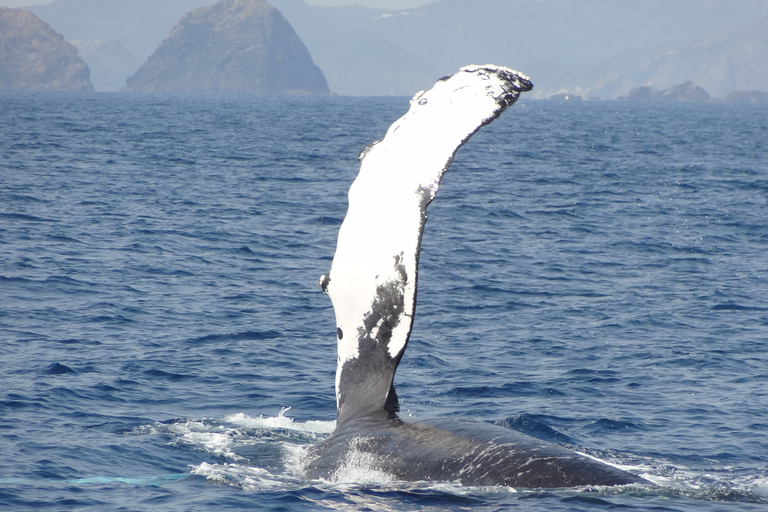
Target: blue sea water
point(594, 274)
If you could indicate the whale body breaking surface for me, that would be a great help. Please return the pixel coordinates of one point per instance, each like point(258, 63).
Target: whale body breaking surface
point(372, 285)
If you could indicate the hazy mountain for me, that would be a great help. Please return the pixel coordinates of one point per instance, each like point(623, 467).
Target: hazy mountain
point(596, 47)
point(34, 57)
point(234, 46)
point(109, 60)
point(115, 36)
point(140, 25)
point(561, 44)
point(732, 60)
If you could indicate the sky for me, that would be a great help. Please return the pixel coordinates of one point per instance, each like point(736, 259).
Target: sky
point(384, 4)
point(21, 3)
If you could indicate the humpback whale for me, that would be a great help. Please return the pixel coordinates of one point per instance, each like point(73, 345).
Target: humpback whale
point(372, 286)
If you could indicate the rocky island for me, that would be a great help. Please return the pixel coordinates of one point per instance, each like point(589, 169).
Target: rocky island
point(34, 57)
point(687, 92)
point(747, 97)
point(234, 46)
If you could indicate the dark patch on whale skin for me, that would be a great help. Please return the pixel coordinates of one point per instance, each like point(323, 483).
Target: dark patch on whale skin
point(386, 310)
point(367, 149)
point(514, 84)
point(323, 282)
point(366, 379)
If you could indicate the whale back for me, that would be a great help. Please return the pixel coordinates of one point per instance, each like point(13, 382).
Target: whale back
point(466, 452)
point(372, 280)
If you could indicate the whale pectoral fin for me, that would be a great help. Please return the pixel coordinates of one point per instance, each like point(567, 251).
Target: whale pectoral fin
point(372, 281)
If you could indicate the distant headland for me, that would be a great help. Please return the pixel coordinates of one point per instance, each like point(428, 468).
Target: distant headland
point(34, 57)
point(232, 47)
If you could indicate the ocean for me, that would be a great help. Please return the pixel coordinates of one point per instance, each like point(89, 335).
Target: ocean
point(592, 273)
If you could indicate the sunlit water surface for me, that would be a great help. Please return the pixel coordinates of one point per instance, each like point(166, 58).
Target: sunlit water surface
point(593, 274)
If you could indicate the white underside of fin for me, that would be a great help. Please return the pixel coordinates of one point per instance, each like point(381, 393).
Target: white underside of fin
point(379, 241)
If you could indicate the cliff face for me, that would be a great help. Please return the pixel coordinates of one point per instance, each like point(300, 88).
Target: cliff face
point(34, 57)
point(235, 46)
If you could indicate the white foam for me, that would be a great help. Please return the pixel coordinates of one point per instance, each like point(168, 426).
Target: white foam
point(219, 444)
point(295, 459)
point(359, 467)
point(243, 477)
point(758, 486)
point(281, 421)
point(222, 437)
point(216, 440)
